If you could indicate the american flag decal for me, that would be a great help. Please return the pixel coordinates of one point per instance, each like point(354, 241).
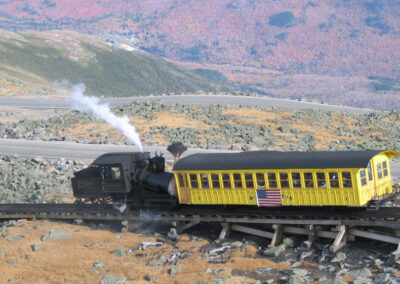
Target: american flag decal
point(268, 198)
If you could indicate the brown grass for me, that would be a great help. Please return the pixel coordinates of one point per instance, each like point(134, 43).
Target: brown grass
point(70, 260)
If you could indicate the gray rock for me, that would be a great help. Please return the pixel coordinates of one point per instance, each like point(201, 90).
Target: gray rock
point(220, 250)
point(296, 279)
point(35, 247)
point(305, 254)
point(12, 261)
point(383, 278)
point(15, 277)
point(363, 272)
point(150, 245)
point(15, 238)
point(158, 261)
point(112, 279)
point(276, 251)
point(2, 254)
point(218, 280)
point(174, 270)
point(340, 256)
point(289, 243)
point(362, 280)
point(300, 272)
point(208, 270)
point(149, 278)
point(119, 251)
point(99, 264)
point(55, 234)
point(339, 280)
point(91, 243)
point(221, 270)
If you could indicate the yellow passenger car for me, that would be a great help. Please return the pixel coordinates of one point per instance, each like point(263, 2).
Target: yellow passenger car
point(272, 178)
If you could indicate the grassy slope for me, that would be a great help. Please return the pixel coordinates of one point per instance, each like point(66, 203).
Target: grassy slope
point(104, 70)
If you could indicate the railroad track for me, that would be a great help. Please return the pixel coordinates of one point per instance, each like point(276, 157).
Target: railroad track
point(382, 217)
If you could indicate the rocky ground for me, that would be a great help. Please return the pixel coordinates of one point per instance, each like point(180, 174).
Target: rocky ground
point(61, 252)
point(36, 180)
point(222, 127)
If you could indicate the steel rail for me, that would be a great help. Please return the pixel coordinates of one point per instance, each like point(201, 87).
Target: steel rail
point(384, 217)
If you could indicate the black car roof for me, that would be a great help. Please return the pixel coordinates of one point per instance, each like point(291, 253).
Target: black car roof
point(120, 158)
point(279, 160)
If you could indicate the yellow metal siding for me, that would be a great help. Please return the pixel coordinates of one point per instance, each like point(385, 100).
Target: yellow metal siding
point(290, 196)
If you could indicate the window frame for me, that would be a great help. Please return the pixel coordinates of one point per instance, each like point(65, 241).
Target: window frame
point(250, 181)
point(331, 180)
point(262, 181)
point(212, 175)
point(273, 180)
point(235, 180)
point(202, 180)
point(229, 180)
point(385, 168)
point(298, 185)
point(284, 180)
point(344, 185)
point(191, 180)
point(308, 179)
point(364, 179)
point(325, 181)
point(379, 170)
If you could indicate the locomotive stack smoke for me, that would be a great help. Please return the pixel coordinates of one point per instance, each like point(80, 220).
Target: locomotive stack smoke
point(103, 111)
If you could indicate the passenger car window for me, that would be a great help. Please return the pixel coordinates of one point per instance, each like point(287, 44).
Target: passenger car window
point(226, 180)
point(370, 176)
point(215, 180)
point(284, 179)
point(363, 177)
point(334, 179)
point(204, 181)
point(237, 180)
point(296, 180)
point(308, 180)
point(346, 179)
point(272, 180)
point(321, 180)
point(385, 170)
point(180, 179)
point(193, 181)
point(379, 168)
point(260, 180)
point(249, 180)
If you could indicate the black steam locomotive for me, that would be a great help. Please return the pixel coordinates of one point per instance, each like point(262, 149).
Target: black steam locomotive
point(133, 179)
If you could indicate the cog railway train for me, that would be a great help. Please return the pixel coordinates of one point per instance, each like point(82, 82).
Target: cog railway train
point(254, 178)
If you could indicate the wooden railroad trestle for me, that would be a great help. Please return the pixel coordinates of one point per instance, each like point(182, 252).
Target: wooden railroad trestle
point(340, 230)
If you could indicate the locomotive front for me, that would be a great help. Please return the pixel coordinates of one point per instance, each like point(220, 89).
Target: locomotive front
point(131, 178)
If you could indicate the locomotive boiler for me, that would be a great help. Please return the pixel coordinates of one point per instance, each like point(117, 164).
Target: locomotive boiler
point(132, 178)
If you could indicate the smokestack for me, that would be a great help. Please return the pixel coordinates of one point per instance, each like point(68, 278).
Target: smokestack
point(176, 149)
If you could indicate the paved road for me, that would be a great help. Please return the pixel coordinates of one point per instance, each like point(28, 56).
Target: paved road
point(65, 103)
point(70, 150)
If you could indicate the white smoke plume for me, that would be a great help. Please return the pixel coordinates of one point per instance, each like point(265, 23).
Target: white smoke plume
point(103, 111)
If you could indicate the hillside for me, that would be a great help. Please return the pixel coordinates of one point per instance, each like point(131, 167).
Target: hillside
point(329, 37)
point(341, 52)
point(31, 62)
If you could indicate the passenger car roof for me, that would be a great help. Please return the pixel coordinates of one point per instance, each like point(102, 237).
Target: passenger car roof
point(279, 160)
